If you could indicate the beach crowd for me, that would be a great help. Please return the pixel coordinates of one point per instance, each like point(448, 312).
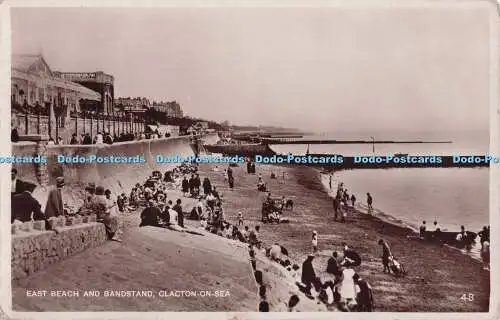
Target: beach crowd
point(343, 289)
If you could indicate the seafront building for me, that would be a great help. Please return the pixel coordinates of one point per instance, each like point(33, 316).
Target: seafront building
point(97, 81)
point(34, 87)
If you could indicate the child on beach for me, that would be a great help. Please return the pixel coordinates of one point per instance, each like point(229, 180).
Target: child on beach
point(315, 241)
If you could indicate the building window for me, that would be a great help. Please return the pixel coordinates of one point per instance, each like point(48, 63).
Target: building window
point(41, 94)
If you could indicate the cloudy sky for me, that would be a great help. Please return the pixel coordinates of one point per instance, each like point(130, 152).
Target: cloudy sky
point(396, 72)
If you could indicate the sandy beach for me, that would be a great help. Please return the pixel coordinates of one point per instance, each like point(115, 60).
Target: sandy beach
point(437, 276)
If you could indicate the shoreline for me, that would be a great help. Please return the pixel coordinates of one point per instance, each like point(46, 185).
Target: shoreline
point(433, 271)
point(474, 253)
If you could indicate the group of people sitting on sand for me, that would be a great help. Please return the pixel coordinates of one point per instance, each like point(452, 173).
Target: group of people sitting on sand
point(346, 289)
point(208, 209)
point(272, 209)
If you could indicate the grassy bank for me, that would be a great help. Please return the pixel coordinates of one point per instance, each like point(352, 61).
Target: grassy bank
point(437, 276)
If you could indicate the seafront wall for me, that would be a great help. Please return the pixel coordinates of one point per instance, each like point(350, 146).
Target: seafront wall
point(116, 177)
point(35, 249)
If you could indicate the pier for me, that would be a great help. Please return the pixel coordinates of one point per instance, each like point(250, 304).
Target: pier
point(294, 140)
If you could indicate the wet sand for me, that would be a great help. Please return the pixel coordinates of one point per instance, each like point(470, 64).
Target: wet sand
point(437, 275)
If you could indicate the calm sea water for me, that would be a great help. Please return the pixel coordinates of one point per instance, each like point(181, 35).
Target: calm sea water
point(452, 196)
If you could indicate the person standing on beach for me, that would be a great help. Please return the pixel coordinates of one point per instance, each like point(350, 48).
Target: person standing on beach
point(485, 255)
point(353, 200)
point(185, 185)
point(336, 206)
point(104, 214)
point(346, 198)
point(422, 230)
point(484, 235)
point(437, 230)
point(330, 182)
point(191, 184)
point(308, 275)
point(54, 206)
point(315, 241)
point(197, 184)
point(207, 186)
point(180, 213)
point(369, 201)
point(386, 253)
point(240, 218)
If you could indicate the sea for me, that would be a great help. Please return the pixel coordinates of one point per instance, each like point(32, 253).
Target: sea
point(407, 196)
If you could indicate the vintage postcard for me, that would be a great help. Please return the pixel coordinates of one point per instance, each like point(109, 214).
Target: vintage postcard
point(230, 159)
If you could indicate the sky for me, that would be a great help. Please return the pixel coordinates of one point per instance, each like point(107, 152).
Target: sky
point(392, 72)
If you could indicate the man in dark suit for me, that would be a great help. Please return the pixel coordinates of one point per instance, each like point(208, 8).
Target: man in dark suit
point(54, 207)
point(23, 205)
point(14, 135)
point(17, 186)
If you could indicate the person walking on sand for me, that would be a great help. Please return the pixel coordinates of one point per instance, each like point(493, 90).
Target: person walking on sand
point(386, 253)
point(308, 275)
point(315, 241)
point(369, 201)
point(330, 182)
point(104, 214)
point(353, 200)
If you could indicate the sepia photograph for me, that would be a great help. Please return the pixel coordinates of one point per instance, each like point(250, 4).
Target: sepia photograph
point(328, 158)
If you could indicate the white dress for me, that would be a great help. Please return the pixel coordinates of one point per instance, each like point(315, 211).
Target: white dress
point(347, 288)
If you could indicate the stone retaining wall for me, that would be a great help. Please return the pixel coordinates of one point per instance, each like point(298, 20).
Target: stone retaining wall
point(33, 248)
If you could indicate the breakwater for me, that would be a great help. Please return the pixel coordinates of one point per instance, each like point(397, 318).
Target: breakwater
point(263, 153)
